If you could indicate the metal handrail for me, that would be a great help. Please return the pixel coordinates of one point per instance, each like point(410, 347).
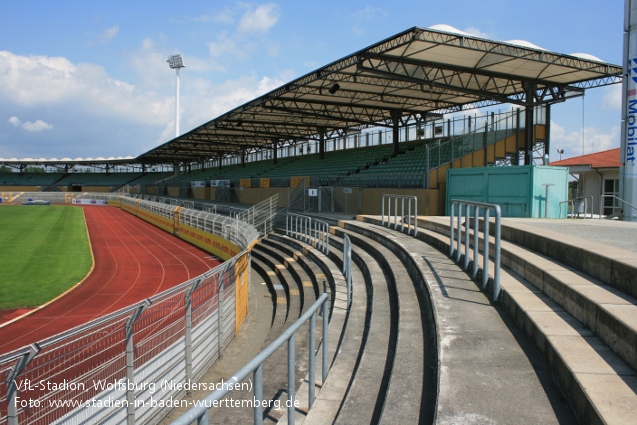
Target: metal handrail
point(311, 230)
point(347, 267)
point(199, 413)
point(389, 197)
point(572, 201)
point(601, 203)
point(477, 206)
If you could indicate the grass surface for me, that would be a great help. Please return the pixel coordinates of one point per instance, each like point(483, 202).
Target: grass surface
point(43, 252)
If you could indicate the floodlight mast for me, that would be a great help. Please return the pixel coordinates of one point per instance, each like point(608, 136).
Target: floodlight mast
point(176, 62)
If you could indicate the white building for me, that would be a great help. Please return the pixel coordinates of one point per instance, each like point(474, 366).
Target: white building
point(597, 175)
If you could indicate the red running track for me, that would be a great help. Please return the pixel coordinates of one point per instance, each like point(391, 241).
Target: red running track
point(133, 261)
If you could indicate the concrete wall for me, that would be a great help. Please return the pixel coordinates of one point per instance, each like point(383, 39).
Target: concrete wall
point(427, 200)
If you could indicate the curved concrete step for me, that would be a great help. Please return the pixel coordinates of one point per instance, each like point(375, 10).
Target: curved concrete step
point(481, 351)
point(277, 293)
point(304, 283)
point(312, 270)
point(289, 285)
point(365, 395)
point(275, 369)
point(407, 399)
point(608, 312)
point(338, 324)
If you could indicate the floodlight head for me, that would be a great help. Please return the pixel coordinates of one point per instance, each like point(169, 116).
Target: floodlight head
point(176, 61)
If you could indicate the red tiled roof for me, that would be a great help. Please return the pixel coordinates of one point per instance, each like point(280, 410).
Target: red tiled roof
point(604, 159)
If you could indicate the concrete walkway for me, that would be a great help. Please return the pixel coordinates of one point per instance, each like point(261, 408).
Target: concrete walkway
point(618, 234)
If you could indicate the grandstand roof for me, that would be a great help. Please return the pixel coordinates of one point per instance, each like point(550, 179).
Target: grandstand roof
point(415, 73)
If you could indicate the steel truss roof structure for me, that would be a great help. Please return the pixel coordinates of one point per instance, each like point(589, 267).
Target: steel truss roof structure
point(405, 77)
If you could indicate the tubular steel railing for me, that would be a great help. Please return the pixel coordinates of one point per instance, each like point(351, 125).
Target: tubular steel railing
point(613, 207)
point(411, 200)
point(311, 230)
point(347, 267)
point(112, 368)
point(199, 413)
point(456, 253)
point(576, 202)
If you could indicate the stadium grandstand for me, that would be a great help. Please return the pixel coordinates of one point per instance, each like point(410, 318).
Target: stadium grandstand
point(401, 315)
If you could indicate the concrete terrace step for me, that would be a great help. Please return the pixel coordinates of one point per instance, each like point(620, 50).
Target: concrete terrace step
point(304, 284)
point(599, 386)
point(350, 347)
point(339, 322)
point(275, 369)
point(313, 272)
point(610, 313)
point(277, 292)
point(409, 398)
point(365, 395)
point(612, 265)
point(300, 250)
point(290, 287)
point(486, 365)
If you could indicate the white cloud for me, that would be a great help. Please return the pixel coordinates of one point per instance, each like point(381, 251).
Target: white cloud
point(573, 144)
point(260, 19)
point(36, 126)
point(226, 16)
point(98, 115)
point(363, 16)
point(109, 34)
point(30, 126)
point(478, 33)
point(370, 14)
point(31, 81)
point(223, 45)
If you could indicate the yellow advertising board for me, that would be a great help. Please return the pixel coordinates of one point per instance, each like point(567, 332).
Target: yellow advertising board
point(208, 242)
point(245, 182)
point(265, 182)
point(163, 223)
point(297, 180)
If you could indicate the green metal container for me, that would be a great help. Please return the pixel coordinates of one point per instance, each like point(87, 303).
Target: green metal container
point(521, 191)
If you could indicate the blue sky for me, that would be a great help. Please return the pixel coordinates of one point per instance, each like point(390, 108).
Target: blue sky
point(90, 78)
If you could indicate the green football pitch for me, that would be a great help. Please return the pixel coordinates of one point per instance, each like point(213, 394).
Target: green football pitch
point(44, 250)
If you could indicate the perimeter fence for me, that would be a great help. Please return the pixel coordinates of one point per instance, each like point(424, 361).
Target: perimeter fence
point(133, 365)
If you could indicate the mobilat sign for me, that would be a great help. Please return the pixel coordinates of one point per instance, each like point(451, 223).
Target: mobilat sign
point(628, 169)
point(631, 100)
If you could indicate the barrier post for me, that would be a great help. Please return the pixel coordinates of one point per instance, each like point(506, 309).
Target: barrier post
point(451, 217)
point(220, 314)
point(258, 394)
point(130, 362)
point(193, 288)
point(476, 215)
point(12, 389)
point(459, 230)
point(291, 378)
point(325, 342)
point(485, 252)
point(465, 264)
point(312, 371)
